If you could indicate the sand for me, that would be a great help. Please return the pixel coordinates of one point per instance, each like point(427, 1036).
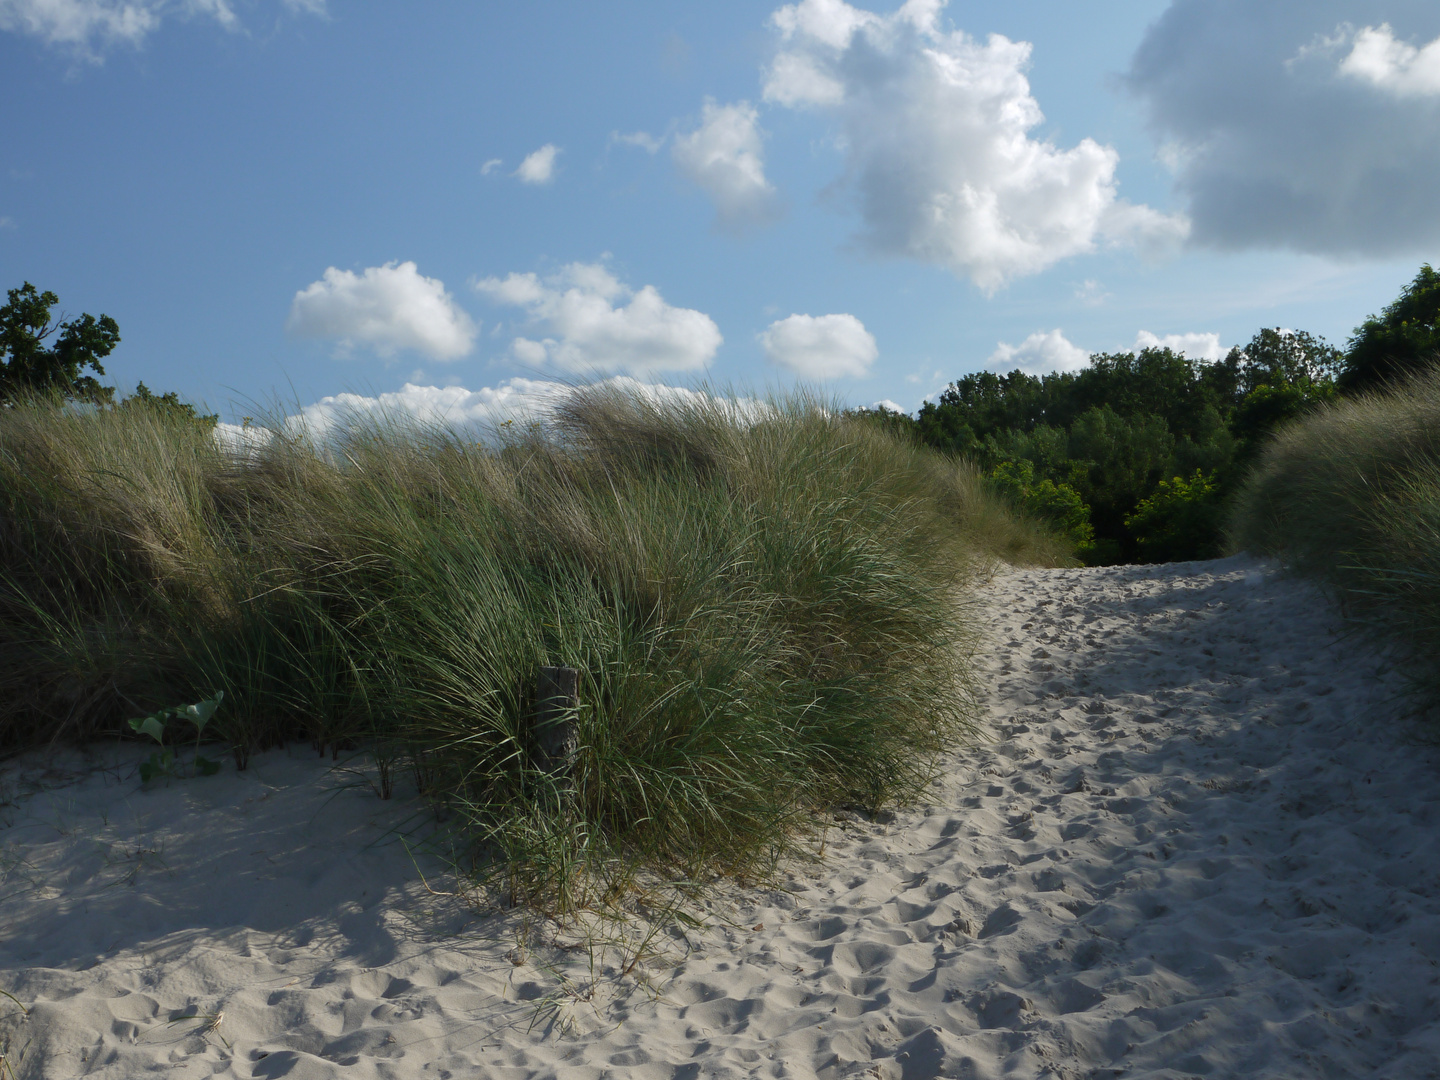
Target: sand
point(1201, 841)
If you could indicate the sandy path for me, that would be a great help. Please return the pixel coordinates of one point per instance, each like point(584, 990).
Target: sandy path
point(1198, 846)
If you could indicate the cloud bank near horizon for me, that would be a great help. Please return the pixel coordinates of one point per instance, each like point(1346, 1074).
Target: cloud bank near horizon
point(479, 412)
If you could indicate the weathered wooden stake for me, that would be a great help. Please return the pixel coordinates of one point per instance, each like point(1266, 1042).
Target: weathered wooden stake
point(556, 737)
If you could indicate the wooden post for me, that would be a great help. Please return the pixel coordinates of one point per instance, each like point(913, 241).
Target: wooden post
point(556, 736)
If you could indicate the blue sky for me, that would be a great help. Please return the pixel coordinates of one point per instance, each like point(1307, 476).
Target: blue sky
point(454, 205)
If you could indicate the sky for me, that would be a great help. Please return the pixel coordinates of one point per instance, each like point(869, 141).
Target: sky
point(455, 208)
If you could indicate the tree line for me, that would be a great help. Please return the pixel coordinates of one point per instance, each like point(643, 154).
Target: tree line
point(44, 355)
point(1135, 457)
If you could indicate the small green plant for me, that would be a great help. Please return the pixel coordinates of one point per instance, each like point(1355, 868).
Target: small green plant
point(162, 761)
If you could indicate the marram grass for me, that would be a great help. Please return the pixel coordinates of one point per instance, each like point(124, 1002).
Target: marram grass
point(768, 605)
point(1351, 496)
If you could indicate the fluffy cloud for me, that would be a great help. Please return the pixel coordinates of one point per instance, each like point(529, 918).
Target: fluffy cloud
point(539, 167)
point(91, 26)
point(1039, 354)
point(1042, 352)
point(448, 406)
point(477, 411)
point(1288, 128)
point(387, 308)
point(1402, 69)
point(821, 346)
point(724, 157)
point(587, 325)
point(936, 132)
point(1195, 346)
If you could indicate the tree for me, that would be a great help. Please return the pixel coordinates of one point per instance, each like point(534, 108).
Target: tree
point(169, 404)
point(1402, 340)
point(28, 365)
point(1181, 519)
point(1280, 375)
point(1287, 358)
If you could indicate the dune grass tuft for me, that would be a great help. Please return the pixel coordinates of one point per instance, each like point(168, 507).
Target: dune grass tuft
point(1351, 496)
point(767, 603)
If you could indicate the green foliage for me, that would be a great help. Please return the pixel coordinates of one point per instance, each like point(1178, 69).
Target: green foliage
point(1059, 505)
point(768, 605)
point(1117, 430)
point(170, 403)
point(1180, 520)
point(162, 762)
point(1402, 341)
point(29, 366)
point(1350, 495)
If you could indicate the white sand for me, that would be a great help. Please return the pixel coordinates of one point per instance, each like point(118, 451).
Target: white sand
point(1201, 844)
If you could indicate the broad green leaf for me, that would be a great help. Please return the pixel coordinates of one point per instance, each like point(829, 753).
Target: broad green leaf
point(150, 725)
point(200, 713)
point(206, 767)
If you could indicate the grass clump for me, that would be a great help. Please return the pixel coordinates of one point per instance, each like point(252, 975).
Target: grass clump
point(766, 602)
point(1351, 496)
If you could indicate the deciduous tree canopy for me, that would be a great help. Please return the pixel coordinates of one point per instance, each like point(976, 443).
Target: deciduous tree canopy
point(1401, 341)
point(28, 364)
point(1134, 456)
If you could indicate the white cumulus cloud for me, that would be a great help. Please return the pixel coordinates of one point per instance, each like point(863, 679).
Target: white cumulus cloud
point(586, 320)
point(725, 158)
point(1039, 354)
point(1196, 346)
point(88, 27)
point(477, 411)
point(387, 308)
point(821, 346)
point(447, 406)
point(935, 127)
point(1397, 66)
point(1288, 128)
point(539, 167)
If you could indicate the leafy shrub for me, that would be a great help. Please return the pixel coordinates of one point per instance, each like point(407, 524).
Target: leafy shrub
point(1181, 520)
point(1059, 505)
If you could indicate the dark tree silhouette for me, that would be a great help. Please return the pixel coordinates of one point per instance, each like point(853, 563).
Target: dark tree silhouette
point(1403, 340)
point(28, 364)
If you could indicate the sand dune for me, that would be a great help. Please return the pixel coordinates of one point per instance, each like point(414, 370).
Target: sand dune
point(1200, 843)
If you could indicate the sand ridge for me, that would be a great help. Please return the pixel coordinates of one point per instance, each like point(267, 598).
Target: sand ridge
point(1200, 843)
